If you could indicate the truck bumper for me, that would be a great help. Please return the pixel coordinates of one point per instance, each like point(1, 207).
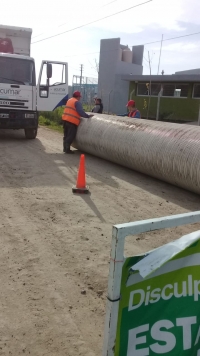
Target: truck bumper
point(16, 120)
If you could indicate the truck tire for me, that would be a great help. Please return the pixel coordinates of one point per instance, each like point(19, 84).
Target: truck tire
point(30, 133)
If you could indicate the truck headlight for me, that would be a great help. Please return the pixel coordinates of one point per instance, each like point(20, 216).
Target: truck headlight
point(29, 116)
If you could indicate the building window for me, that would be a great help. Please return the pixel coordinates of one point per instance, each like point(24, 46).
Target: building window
point(177, 93)
point(176, 90)
point(155, 89)
point(182, 89)
point(196, 92)
point(145, 89)
point(169, 90)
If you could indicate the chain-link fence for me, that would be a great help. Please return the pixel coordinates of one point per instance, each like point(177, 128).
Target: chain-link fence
point(88, 88)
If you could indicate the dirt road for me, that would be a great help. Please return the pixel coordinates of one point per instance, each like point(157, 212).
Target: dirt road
point(54, 246)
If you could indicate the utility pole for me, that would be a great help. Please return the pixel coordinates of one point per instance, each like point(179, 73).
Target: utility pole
point(160, 54)
point(81, 77)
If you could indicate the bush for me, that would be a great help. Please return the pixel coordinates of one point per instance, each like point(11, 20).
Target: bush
point(51, 116)
point(47, 122)
point(44, 121)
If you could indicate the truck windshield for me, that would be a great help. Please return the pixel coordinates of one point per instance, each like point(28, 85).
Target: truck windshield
point(17, 71)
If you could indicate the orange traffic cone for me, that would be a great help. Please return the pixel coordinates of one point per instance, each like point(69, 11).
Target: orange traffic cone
point(81, 187)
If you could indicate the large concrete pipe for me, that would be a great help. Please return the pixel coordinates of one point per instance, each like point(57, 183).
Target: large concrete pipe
point(170, 152)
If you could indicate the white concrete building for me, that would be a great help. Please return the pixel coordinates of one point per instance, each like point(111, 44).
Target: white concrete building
point(117, 60)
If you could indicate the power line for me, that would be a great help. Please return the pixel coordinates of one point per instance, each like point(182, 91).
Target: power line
point(40, 34)
point(77, 70)
point(172, 38)
point(108, 3)
point(92, 67)
point(143, 44)
point(85, 54)
point(89, 23)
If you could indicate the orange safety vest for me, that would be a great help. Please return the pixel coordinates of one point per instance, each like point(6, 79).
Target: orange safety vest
point(133, 113)
point(70, 114)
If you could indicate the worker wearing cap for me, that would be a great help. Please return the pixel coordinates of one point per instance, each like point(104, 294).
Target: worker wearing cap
point(98, 108)
point(71, 119)
point(133, 112)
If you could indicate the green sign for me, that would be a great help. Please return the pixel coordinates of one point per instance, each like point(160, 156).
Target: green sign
point(160, 313)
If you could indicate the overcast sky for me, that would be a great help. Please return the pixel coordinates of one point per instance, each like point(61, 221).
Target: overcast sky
point(139, 25)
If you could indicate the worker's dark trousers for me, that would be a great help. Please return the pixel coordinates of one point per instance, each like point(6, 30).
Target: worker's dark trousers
point(69, 134)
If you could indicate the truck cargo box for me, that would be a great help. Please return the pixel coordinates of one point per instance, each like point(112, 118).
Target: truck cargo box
point(15, 40)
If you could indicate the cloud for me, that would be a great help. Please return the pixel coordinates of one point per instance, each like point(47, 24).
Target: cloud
point(137, 26)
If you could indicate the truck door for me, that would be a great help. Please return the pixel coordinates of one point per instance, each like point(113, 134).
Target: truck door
point(52, 88)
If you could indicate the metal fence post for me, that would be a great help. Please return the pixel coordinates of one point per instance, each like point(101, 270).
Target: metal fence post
point(115, 273)
point(158, 104)
point(109, 102)
point(199, 116)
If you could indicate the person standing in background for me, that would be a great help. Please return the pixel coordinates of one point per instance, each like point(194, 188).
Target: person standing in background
point(133, 111)
point(98, 108)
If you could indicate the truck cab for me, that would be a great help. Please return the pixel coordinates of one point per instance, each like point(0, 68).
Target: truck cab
point(21, 98)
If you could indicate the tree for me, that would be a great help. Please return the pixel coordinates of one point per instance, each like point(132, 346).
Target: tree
point(96, 65)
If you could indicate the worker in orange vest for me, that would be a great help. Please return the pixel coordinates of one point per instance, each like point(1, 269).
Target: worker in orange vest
point(71, 119)
point(133, 112)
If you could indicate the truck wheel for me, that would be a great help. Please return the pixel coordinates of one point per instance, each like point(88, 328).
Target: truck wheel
point(30, 133)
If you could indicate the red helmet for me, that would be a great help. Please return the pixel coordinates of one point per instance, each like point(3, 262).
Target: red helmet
point(77, 94)
point(131, 103)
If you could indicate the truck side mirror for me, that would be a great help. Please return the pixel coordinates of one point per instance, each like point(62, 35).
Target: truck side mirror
point(49, 70)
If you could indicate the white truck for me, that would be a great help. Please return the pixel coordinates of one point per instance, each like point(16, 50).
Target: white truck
point(20, 97)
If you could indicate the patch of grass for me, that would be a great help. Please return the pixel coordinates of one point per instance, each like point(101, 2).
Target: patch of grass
point(87, 107)
point(55, 116)
point(52, 119)
point(45, 121)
